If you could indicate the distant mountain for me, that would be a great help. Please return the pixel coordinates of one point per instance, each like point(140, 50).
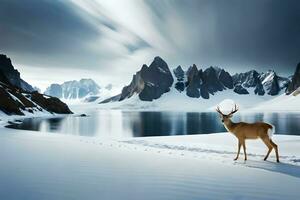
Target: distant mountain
point(74, 89)
point(151, 82)
point(18, 97)
point(264, 83)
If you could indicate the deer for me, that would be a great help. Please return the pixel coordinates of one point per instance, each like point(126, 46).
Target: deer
point(243, 131)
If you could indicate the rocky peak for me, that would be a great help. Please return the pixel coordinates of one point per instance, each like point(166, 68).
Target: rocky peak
point(150, 82)
point(7, 69)
point(179, 73)
point(295, 83)
point(247, 79)
point(270, 82)
point(193, 82)
point(9, 75)
point(226, 79)
point(211, 80)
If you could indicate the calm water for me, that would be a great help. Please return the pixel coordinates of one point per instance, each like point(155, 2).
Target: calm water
point(116, 123)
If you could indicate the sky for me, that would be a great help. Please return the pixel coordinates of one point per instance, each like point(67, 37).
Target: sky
point(52, 41)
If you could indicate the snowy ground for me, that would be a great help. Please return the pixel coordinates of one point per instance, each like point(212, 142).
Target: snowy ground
point(175, 101)
point(280, 103)
point(49, 166)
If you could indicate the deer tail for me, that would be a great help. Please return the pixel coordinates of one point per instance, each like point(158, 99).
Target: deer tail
point(271, 130)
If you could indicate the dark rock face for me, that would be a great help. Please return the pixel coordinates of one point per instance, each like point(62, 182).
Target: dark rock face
point(239, 89)
point(295, 83)
point(263, 83)
point(136, 86)
point(180, 86)
point(51, 104)
point(12, 75)
point(150, 82)
point(211, 80)
point(247, 79)
point(15, 100)
point(8, 105)
point(226, 79)
point(193, 82)
point(158, 80)
point(179, 73)
point(203, 83)
point(273, 86)
point(271, 83)
point(259, 89)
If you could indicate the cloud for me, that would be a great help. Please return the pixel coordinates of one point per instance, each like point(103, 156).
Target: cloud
point(110, 40)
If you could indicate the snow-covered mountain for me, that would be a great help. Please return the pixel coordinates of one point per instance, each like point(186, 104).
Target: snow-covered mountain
point(268, 83)
point(74, 89)
point(151, 83)
point(17, 97)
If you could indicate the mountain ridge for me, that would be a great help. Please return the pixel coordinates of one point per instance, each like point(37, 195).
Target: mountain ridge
point(204, 83)
point(74, 89)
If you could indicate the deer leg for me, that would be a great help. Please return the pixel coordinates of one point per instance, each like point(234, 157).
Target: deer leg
point(238, 152)
point(276, 149)
point(267, 142)
point(244, 147)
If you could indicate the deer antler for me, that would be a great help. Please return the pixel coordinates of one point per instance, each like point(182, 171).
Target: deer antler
point(218, 110)
point(234, 110)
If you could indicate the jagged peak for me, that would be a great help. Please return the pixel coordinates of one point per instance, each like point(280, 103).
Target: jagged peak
point(178, 68)
point(192, 68)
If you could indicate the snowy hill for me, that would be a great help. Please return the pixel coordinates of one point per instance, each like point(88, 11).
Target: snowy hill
point(280, 103)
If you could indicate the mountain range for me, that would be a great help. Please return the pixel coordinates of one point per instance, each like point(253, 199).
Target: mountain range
point(152, 82)
point(74, 89)
point(19, 97)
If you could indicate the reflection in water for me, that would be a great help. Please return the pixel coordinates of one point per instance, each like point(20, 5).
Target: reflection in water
point(116, 123)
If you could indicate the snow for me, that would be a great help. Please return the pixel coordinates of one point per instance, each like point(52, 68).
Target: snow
point(270, 77)
point(15, 98)
point(282, 103)
point(162, 70)
point(50, 166)
point(176, 101)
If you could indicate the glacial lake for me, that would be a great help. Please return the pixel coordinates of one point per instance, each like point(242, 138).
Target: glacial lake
point(117, 123)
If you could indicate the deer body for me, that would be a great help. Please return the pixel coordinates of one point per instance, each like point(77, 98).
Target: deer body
point(243, 131)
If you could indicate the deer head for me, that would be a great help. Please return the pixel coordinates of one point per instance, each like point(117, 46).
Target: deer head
point(226, 118)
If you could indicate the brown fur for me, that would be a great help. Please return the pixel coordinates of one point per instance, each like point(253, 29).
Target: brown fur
point(243, 131)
